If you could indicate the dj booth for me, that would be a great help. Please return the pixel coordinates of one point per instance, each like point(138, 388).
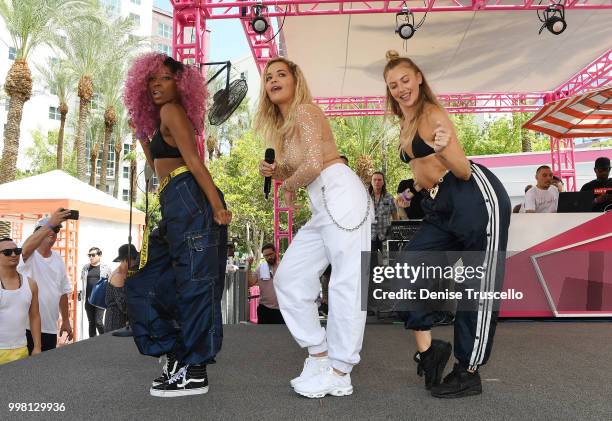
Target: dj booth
point(560, 262)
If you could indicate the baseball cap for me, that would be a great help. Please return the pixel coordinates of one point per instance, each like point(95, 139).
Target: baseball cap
point(123, 252)
point(602, 162)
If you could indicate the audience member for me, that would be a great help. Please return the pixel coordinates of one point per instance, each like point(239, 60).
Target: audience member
point(267, 311)
point(544, 197)
point(91, 273)
point(18, 303)
point(601, 186)
point(44, 265)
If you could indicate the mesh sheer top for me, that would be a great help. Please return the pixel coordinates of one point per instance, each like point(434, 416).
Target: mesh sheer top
point(305, 152)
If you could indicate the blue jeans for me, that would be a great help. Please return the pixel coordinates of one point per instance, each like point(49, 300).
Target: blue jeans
point(174, 301)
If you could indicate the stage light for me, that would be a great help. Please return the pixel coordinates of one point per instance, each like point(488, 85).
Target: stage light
point(259, 23)
point(553, 19)
point(405, 28)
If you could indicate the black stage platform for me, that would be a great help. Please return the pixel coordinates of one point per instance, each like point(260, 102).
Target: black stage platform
point(539, 370)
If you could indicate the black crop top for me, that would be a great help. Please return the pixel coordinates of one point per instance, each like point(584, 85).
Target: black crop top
point(420, 149)
point(160, 149)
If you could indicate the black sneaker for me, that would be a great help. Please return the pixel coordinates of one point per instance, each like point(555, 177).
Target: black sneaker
point(188, 380)
point(170, 367)
point(458, 384)
point(431, 363)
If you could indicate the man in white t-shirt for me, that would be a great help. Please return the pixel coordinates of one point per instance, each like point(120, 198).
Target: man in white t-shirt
point(544, 197)
point(47, 268)
point(267, 310)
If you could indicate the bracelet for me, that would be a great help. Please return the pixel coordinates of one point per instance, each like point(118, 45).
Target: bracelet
point(51, 227)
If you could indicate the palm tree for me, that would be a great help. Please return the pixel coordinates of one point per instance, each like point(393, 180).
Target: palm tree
point(112, 82)
point(95, 132)
point(364, 135)
point(59, 81)
point(88, 44)
point(29, 23)
point(111, 92)
point(123, 129)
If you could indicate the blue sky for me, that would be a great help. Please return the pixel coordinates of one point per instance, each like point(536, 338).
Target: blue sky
point(227, 37)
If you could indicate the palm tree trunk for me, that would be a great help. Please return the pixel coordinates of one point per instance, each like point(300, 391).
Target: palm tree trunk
point(5, 229)
point(108, 130)
point(85, 93)
point(60, 137)
point(79, 142)
point(118, 151)
point(8, 165)
point(133, 167)
point(18, 86)
point(95, 151)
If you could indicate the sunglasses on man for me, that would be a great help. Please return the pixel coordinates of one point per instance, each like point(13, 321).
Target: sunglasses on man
point(8, 252)
point(94, 254)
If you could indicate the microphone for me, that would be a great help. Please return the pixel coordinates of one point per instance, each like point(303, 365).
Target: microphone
point(269, 158)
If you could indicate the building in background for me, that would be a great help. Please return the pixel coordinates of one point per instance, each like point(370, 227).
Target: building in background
point(41, 114)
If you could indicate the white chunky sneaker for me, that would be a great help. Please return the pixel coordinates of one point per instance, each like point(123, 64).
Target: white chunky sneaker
point(312, 367)
point(325, 383)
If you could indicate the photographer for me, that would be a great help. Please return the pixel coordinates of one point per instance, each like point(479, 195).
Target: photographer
point(46, 267)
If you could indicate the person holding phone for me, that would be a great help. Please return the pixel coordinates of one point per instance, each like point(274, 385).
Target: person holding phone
point(47, 268)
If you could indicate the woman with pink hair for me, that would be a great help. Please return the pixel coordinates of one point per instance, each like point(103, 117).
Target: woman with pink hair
point(174, 299)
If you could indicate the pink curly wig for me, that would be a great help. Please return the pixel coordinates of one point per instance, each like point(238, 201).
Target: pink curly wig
point(143, 112)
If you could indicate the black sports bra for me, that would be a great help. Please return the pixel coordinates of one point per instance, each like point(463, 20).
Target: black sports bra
point(160, 149)
point(420, 149)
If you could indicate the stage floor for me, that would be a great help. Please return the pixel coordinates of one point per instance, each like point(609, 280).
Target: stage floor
point(539, 370)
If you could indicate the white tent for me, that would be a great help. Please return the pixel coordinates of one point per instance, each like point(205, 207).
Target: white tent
point(103, 221)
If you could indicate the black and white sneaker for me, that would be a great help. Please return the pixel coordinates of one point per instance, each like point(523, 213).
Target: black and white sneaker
point(188, 380)
point(170, 367)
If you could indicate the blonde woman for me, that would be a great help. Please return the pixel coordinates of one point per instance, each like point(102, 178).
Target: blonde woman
point(466, 209)
point(337, 233)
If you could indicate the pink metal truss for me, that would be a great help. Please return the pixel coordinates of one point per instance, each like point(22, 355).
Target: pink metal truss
point(189, 42)
point(233, 9)
point(278, 211)
point(263, 47)
point(596, 74)
point(454, 103)
point(563, 161)
point(194, 13)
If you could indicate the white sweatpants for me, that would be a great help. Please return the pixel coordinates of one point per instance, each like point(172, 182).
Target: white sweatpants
point(317, 244)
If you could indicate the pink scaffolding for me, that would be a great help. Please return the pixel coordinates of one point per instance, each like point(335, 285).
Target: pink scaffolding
point(194, 14)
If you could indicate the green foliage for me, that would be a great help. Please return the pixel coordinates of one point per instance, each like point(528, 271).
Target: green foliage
point(499, 136)
point(237, 176)
point(42, 155)
point(32, 22)
point(154, 208)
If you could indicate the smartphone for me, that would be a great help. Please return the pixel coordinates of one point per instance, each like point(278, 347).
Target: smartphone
point(74, 214)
